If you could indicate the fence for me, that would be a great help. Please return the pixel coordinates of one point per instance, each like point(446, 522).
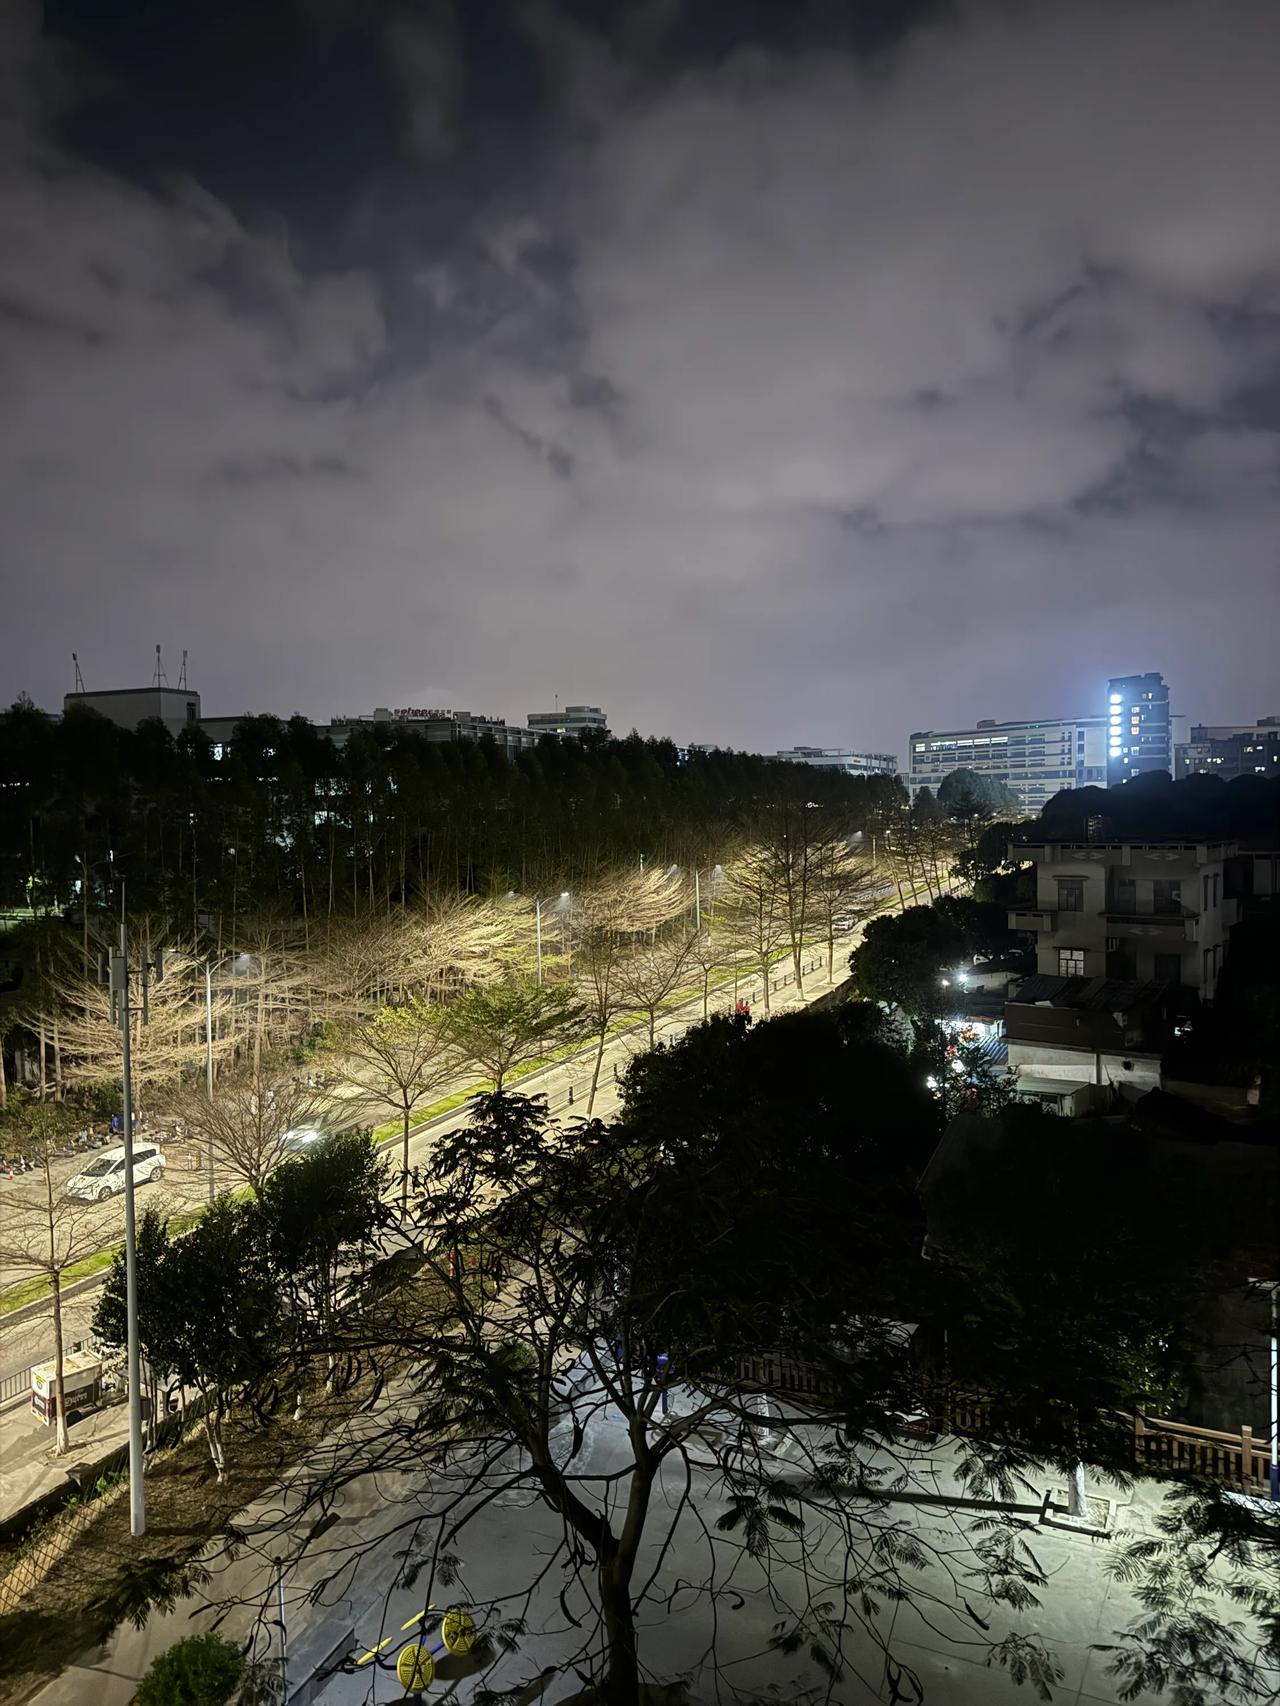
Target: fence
point(1236, 1460)
point(1160, 1447)
point(15, 1386)
point(56, 1530)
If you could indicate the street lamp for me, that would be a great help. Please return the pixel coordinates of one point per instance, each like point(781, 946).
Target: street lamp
point(115, 974)
point(210, 966)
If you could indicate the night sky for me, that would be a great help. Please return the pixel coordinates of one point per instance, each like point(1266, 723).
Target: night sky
point(764, 373)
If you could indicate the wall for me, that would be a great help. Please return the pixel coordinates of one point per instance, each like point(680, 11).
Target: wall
point(1082, 1066)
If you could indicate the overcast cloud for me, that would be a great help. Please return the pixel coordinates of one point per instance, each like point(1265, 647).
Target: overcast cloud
point(786, 398)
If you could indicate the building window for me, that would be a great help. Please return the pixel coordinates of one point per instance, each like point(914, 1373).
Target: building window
point(1167, 968)
point(1215, 888)
point(1070, 894)
point(1070, 962)
point(1166, 895)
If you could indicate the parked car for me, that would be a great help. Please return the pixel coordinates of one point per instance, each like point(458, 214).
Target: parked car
point(103, 1177)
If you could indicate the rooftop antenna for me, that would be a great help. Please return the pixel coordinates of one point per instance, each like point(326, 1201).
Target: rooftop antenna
point(161, 679)
point(79, 678)
point(182, 678)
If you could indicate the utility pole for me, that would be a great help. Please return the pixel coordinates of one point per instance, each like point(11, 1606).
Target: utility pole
point(537, 923)
point(117, 979)
point(208, 1061)
point(697, 903)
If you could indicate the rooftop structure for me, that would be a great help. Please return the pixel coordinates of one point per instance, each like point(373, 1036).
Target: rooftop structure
point(841, 759)
point(575, 720)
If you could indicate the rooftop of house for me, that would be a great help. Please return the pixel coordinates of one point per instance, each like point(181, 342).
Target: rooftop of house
point(1096, 994)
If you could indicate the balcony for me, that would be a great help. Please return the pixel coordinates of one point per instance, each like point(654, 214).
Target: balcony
point(1033, 918)
point(1168, 926)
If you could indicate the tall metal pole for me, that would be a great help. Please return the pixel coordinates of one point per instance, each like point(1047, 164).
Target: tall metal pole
point(697, 904)
point(537, 921)
point(208, 1064)
point(1275, 1391)
point(284, 1634)
point(137, 1491)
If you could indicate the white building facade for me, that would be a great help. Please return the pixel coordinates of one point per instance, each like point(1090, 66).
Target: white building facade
point(1035, 758)
point(1130, 911)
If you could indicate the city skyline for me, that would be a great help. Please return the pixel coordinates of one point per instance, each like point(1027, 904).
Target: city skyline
point(666, 352)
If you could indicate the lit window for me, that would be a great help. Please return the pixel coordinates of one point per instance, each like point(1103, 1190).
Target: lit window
point(1117, 698)
point(1070, 962)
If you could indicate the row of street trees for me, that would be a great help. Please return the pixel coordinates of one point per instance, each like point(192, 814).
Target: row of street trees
point(279, 819)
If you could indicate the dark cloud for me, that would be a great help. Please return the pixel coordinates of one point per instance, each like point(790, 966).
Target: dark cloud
point(767, 380)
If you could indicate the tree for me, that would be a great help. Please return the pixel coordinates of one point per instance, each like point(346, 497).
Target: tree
point(513, 1024)
point(843, 886)
point(1207, 1548)
point(208, 1313)
point(1070, 1322)
point(401, 1057)
point(76, 1019)
point(199, 1670)
point(610, 915)
point(45, 1232)
point(909, 959)
point(650, 1274)
point(251, 1121)
point(966, 794)
point(752, 915)
point(655, 971)
point(316, 1217)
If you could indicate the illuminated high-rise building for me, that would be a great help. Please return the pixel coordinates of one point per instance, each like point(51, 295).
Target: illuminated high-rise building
point(1139, 727)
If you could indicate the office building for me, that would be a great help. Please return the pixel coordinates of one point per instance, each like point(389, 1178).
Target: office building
point(176, 707)
point(1133, 911)
point(1230, 750)
point(575, 720)
point(1037, 758)
point(838, 758)
point(1139, 727)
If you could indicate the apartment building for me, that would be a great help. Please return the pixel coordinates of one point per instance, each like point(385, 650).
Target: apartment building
point(1144, 912)
point(1230, 750)
point(1037, 758)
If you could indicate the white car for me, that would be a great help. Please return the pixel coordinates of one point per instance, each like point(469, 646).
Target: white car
point(104, 1175)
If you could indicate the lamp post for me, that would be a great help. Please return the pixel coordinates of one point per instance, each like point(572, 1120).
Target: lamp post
point(537, 925)
point(1275, 1390)
point(122, 1010)
point(697, 902)
point(210, 966)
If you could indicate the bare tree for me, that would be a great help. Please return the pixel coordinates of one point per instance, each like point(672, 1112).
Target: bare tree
point(45, 1231)
point(753, 915)
point(843, 886)
point(655, 971)
point(168, 1045)
point(609, 917)
point(401, 1057)
point(252, 1120)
